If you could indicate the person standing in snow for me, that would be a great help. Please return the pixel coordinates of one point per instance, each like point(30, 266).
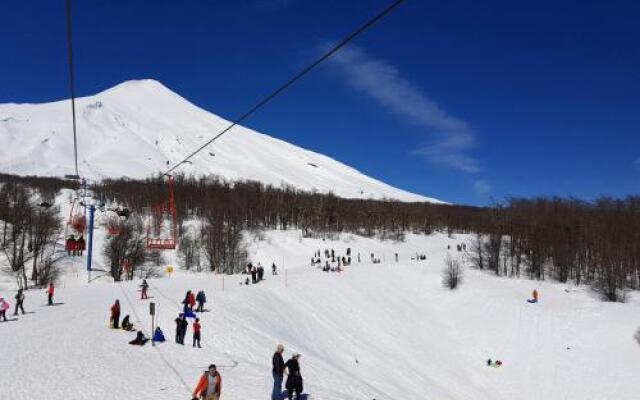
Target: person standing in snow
point(181, 328)
point(277, 372)
point(274, 269)
point(115, 314)
point(4, 306)
point(254, 274)
point(196, 333)
point(50, 292)
point(19, 302)
point(260, 272)
point(209, 386)
point(294, 380)
point(201, 298)
point(143, 289)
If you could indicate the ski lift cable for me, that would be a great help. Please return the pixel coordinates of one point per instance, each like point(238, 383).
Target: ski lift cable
point(291, 81)
point(72, 86)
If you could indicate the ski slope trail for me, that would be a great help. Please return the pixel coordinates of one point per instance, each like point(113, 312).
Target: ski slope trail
point(386, 331)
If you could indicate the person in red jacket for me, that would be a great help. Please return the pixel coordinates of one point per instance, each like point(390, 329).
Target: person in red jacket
point(209, 385)
point(115, 314)
point(50, 291)
point(196, 333)
point(191, 300)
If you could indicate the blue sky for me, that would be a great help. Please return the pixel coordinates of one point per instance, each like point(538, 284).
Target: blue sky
point(465, 101)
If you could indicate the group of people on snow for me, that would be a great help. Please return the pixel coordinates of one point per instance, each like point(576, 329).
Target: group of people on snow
point(74, 246)
point(294, 378)
point(257, 272)
point(182, 324)
point(19, 304)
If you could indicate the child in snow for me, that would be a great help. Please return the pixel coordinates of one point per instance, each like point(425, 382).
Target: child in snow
point(196, 333)
point(50, 292)
point(158, 336)
point(19, 302)
point(4, 306)
point(143, 289)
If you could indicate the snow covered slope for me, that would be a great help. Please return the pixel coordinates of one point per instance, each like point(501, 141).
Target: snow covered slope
point(387, 331)
point(135, 128)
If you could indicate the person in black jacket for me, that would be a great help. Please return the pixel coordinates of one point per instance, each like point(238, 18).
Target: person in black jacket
point(278, 372)
point(294, 380)
point(181, 328)
point(19, 302)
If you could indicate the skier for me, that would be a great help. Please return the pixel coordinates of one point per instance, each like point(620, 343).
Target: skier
point(143, 289)
point(140, 340)
point(19, 302)
point(181, 328)
point(277, 372)
point(254, 275)
point(274, 269)
point(126, 324)
point(294, 380)
point(158, 336)
point(115, 314)
point(196, 333)
point(50, 292)
point(4, 306)
point(201, 298)
point(209, 386)
point(80, 245)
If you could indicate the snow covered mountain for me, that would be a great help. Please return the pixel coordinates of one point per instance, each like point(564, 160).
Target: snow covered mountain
point(139, 127)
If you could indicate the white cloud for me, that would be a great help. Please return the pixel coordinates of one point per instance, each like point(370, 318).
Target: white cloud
point(482, 187)
point(451, 137)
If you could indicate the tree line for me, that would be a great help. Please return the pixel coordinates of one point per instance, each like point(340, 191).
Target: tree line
point(594, 242)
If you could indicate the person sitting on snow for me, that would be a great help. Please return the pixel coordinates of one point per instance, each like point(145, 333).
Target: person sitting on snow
point(140, 340)
point(535, 296)
point(158, 336)
point(126, 324)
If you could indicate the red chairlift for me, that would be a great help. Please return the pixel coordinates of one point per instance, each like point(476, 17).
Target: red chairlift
point(159, 240)
point(77, 220)
point(114, 226)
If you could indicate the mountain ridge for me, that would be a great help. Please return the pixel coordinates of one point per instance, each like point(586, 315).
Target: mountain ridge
point(140, 127)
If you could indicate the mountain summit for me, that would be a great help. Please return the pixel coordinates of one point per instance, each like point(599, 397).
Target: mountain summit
point(138, 128)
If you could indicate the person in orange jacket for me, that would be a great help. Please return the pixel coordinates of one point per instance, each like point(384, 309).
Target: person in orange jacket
point(209, 385)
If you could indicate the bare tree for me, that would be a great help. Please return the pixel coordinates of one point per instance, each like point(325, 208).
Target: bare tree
point(452, 273)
